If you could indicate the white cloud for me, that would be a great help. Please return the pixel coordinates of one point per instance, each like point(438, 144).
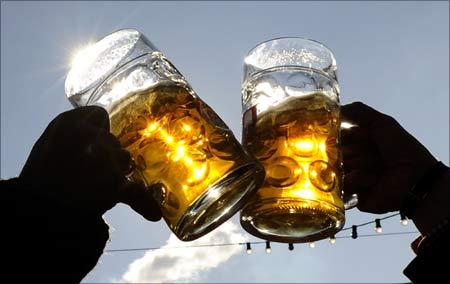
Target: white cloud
point(186, 264)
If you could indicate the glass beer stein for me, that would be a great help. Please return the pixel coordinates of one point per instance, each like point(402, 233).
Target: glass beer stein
point(177, 142)
point(291, 123)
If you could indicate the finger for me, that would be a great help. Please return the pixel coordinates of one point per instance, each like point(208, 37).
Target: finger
point(359, 182)
point(363, 162)
point(363, 115)
point(100, 136)
point(354, 135)
point(115, 161)
point(350, 151)
point(118, 156)
point(124, 161)
point(81, 116)
point(95, 116)
point(140, 199)
point(368, 202)
point(356, 138)
point(348, 134)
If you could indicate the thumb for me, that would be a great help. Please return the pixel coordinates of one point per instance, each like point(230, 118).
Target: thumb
point(140, 199)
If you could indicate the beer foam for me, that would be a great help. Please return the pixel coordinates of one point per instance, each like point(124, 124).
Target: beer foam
point(292, 56)
point(95, 61)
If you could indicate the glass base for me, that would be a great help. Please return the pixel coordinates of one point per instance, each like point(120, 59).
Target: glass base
point(290, 220)
point(220, 202)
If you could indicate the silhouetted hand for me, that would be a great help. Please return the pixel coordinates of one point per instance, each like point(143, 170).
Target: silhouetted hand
point(382, 161)
point(78, 163)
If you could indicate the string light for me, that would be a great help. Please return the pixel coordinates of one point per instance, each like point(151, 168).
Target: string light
point(249, 248)
point(403, 219)
point(378, 227)
point(312, 245)
point(370, 222)
point(240, 244)
point(354, 232)
point(268, 248)
point(291, 246)
point(332, 240)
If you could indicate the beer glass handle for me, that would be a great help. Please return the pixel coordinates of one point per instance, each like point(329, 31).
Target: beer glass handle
point(157, 189)
point(350, 201)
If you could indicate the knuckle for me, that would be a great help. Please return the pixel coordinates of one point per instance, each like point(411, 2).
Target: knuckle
point(389, 120)
point(96, 110)
point(59, 121)
point(370, 207)
point(359, 104)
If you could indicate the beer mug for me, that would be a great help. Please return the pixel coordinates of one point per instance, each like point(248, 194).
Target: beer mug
point(291, 123)
point(199, 172)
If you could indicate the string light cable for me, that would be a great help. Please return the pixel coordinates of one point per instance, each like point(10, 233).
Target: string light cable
point(248, 245)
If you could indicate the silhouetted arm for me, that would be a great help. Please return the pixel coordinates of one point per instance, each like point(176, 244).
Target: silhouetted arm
point(44, 240)
point(432, 248)
point(54, 230)
point(382, 164)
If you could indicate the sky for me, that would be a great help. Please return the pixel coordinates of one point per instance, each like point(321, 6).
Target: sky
point(394, 56)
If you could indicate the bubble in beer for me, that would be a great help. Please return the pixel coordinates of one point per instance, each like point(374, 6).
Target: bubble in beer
point(322, 175)
point(282, 171)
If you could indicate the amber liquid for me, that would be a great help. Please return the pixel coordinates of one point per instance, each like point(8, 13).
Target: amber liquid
point(298, 143)
point(178, 143)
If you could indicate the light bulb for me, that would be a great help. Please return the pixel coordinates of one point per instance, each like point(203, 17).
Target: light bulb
point(378, 227)
point(403, 219)
point(332, 240)
point(249, 249)
point(291, 246)
point(268, 248)
point(354, 232)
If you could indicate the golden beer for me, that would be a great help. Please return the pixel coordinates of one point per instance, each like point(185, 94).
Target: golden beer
point(298, 143)
point(181, 150)
point(180, 144)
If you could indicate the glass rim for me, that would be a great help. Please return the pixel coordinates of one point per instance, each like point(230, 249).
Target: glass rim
point(281, 52)
point(137, 47)
point(293, 38)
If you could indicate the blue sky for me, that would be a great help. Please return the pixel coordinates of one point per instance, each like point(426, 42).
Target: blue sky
point(393, 56)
